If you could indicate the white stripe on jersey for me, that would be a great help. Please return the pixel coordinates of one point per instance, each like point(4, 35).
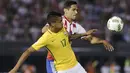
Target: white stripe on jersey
point(73, 27)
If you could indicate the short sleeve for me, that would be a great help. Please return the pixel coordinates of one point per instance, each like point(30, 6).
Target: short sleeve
point(80, 29)
point(41, 42)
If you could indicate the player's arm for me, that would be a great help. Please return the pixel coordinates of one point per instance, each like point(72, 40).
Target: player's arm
point(75, 36)
point(95, 40)
point(42, 41)
point(23, 57)
point(79, 35)
point(82, 31)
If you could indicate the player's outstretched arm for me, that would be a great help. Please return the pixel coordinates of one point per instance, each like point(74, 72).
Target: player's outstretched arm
point(95, 40)
point(75, 36)
point(22, 59)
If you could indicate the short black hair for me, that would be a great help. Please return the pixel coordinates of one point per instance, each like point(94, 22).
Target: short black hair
point(51, 17)
point(68, 4)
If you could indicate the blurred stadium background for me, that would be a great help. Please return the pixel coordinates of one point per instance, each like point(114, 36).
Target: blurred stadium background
point(21, 22)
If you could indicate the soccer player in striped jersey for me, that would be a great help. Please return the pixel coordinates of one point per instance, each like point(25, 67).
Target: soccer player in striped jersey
point(56, 40)
point(70, 13)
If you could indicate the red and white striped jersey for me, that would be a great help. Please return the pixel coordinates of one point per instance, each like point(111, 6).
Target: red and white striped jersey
point(72, 28)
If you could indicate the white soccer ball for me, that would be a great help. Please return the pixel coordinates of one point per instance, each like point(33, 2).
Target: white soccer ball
point(115, 23)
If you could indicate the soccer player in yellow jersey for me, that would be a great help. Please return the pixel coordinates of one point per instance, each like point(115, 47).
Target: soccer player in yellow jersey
point(56, 40)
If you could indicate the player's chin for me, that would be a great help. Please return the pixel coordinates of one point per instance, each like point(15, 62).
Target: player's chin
point(74, 18)
point(60, 27)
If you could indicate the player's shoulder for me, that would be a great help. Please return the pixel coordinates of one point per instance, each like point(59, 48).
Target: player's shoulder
point(47, 34)
point(77, 24)
point(74, 22)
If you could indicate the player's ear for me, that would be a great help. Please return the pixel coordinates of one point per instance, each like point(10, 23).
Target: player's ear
point(65, 10)
point(53, 24)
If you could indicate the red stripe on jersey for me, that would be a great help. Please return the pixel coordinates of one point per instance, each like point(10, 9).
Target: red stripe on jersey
point(67, 19)
point(70, 29)
point(65, 25)
point(74, 25)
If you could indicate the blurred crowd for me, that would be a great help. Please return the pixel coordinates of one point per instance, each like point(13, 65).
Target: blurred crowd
point(92, 65)
point(109, 66)
point(22, 20)
point(28, 68)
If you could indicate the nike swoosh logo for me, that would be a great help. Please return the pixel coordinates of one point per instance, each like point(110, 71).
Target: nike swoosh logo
point(53, 40)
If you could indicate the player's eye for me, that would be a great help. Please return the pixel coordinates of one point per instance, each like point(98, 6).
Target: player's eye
point(74, 9)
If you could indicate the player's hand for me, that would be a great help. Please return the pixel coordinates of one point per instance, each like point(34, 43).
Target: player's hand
point(13, 71)
point(108, 46)
point(89, 32)
point(86, 37)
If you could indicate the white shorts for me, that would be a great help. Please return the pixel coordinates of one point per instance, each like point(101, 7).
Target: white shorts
point(77, 69)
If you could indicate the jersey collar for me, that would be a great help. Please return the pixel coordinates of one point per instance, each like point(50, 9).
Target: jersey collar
point(54, 32)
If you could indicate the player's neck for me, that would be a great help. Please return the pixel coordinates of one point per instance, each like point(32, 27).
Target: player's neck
point(67, 18)
point(54, 30)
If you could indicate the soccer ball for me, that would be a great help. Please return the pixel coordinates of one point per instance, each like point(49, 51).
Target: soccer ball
point(115, 23)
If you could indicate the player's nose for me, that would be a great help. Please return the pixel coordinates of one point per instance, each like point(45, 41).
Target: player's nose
point(76, 11)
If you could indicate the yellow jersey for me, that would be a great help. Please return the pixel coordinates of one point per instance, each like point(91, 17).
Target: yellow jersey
point(60, 48)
